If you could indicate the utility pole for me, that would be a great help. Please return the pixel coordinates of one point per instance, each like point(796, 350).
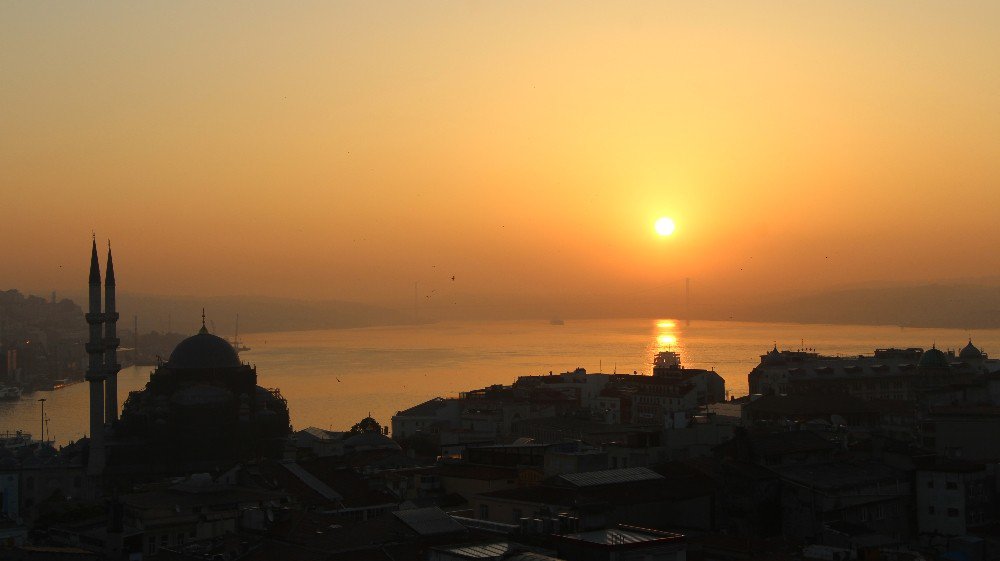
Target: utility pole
point(42, 400)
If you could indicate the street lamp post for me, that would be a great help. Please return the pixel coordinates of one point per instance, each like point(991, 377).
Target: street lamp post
point(43, 418)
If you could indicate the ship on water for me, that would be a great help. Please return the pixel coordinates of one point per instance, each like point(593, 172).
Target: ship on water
point(235, 341)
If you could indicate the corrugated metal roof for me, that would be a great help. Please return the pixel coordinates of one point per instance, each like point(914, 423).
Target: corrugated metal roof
point(429, 521)
point(610, 476)
point(480, 551)
point(621, 536)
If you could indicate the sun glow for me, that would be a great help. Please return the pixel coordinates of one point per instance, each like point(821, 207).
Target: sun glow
point(664, 226)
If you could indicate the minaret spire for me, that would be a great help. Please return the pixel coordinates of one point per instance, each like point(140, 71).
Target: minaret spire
point(203, 329)
point(111, 342)
point(95, 365)
point(109, 276)
point(95, 266)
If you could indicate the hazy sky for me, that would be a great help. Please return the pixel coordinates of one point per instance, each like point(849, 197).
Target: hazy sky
point(348, 149)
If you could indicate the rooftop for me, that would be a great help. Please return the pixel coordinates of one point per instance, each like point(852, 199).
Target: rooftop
point(840, 475)
point(425, 409)
point(429, 521)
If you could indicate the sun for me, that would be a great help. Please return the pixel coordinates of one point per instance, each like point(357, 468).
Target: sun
point(664, 226)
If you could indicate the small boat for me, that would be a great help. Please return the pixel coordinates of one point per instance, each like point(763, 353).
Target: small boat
point(63, 382)
point(10, 393)
point(556, 321)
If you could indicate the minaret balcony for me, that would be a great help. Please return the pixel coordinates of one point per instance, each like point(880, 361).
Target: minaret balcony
point(111, 342)
point(95, 375)
point(94, 348)
point(94, 318)
point(111, 316)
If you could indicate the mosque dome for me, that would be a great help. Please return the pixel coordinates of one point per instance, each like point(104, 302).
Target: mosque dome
point(202, 395)
point(204, 350)
point(933, 358)
point(970, 352)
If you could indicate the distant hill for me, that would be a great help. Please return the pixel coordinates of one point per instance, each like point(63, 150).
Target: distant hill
point(954, 305)
point(933, 305)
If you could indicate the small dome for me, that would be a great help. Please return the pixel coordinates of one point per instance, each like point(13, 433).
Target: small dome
point(204, 350)
point(970, 352)
point(370, 441)
point(933, 358)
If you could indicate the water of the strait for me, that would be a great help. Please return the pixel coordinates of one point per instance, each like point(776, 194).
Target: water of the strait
point(333, 378)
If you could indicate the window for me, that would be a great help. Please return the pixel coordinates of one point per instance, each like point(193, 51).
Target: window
point(951, 485)
point(879, 512)
point(863, 514)
point(484, 512)
point(952, 513)
point(517, 515)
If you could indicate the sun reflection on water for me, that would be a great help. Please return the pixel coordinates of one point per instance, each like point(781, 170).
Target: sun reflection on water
point(666, 337)
point(666, 341)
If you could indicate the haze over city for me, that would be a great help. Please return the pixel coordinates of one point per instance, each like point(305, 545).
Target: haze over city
point(346, 151)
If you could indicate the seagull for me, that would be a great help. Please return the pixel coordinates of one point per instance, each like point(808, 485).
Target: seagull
point(338, 379)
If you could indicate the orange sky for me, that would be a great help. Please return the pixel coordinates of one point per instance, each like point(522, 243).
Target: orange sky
point(348, 149)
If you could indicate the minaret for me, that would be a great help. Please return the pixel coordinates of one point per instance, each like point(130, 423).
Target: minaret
point(111, 366)
point(95, 367)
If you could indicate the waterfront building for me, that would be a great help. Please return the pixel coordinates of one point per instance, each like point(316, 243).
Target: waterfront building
point(898, 374)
